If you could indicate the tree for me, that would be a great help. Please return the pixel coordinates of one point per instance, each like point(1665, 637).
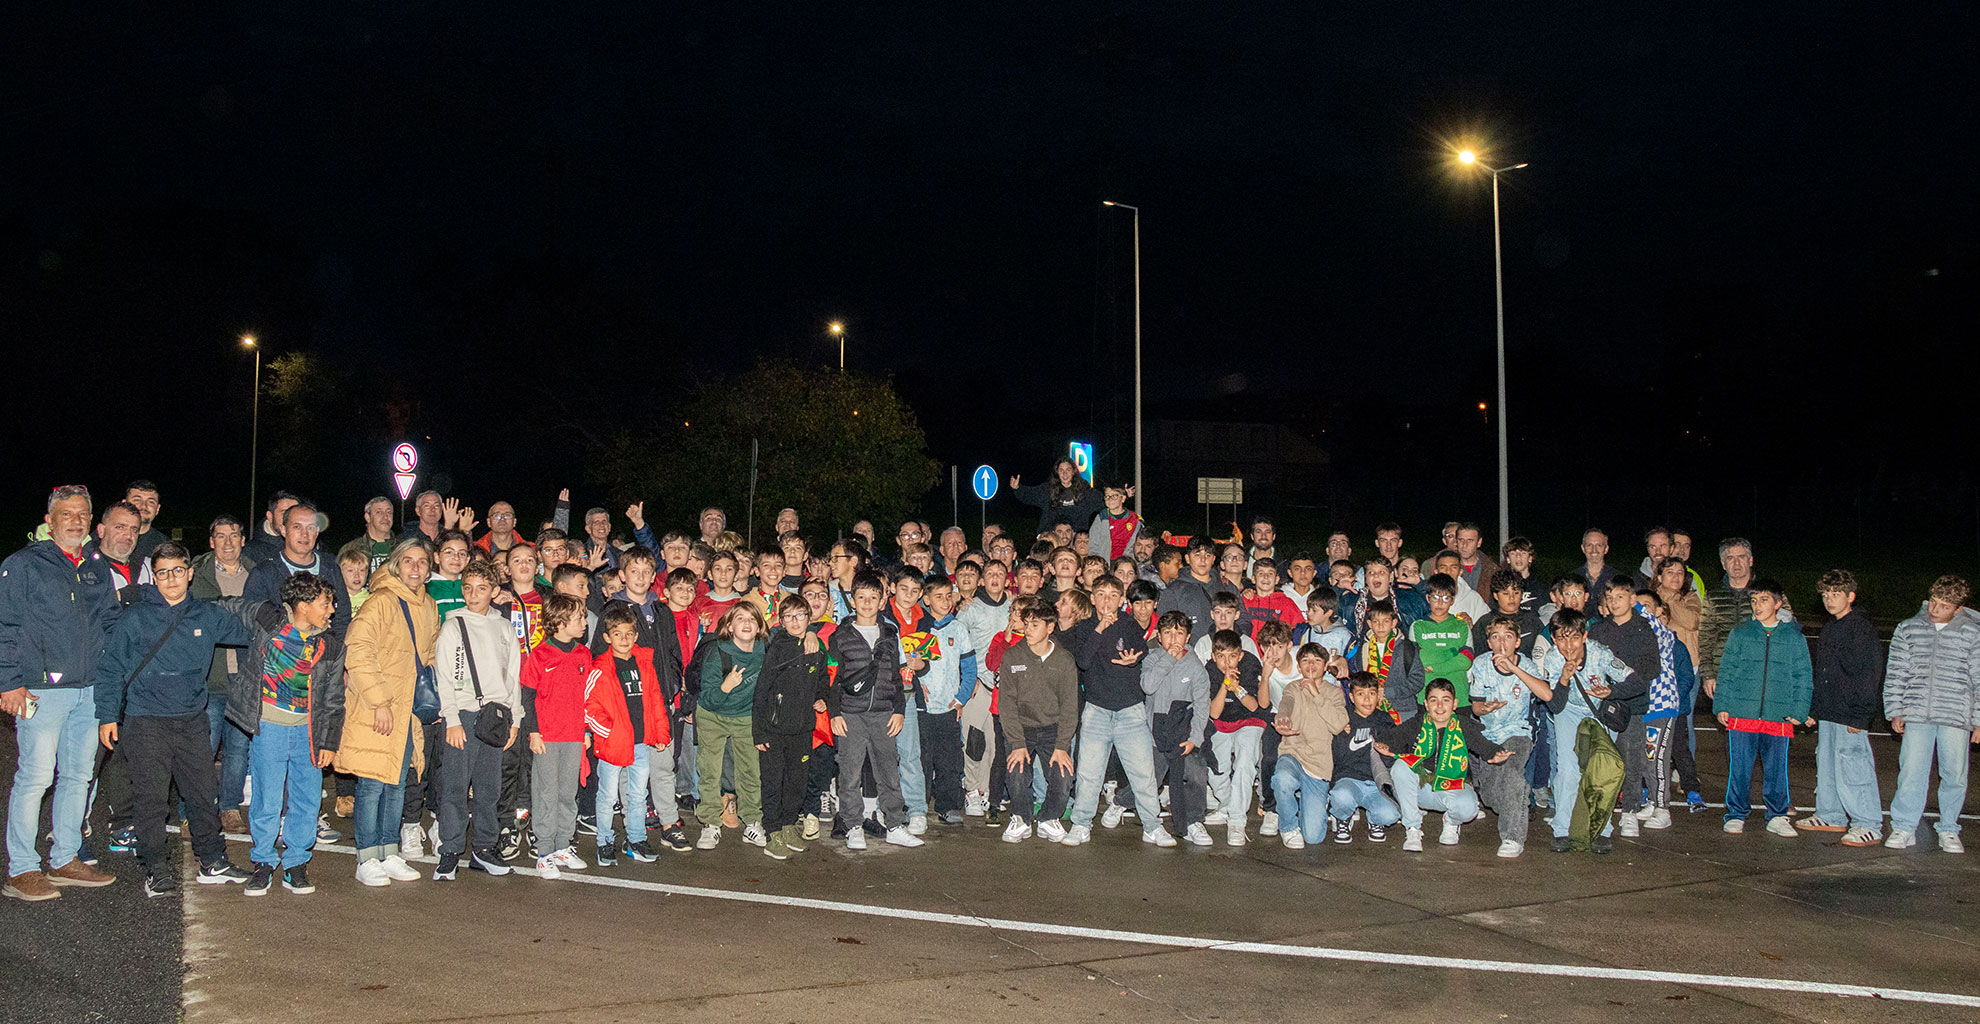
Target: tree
point(836, 446)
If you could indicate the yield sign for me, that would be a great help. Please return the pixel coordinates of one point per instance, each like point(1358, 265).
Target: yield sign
point(405, 482)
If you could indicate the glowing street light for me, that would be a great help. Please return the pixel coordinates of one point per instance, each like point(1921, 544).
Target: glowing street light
point(254, 436)
point(1136, 211)
point(1469, 158)
point(838, 330)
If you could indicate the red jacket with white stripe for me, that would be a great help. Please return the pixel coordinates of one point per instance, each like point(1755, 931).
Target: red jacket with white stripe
point(608, 717)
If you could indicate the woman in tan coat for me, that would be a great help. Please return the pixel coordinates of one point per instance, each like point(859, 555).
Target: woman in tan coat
point(389, 644)
point(1674, 586)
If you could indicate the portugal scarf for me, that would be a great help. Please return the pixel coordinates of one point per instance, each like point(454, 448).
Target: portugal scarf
point(1440, 758)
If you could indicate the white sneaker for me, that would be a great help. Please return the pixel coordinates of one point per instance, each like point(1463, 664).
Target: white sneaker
point(711, 837)
point(900, 836)
point(1510, 848)
point(398, 870)
point(1630, 826)
point(1901, 839)
point(433, 836)
point(1159, 837)
point(372, 872)
point(1781, 826)
point(1270, 825)
point(856, 839)
point(1111, 817)
point(1645, 812)
point(1861, 836)
point(1197, 835)
point(1413, 840)
point(1293, 840)
point(1052, 831)
point(1017, 831)
point(753, 834)
point(1216, 817)
point(1449, 836)
point(1077, 835)
point(1234, 834)
point(917, 824)
point(975, 804)
point(546, 867)
point(1949, 843)
point(567, 859)
point(412, 841)
point(1107, 790)
point(1734, 826)
point(1164, 797)
point(1659, 818)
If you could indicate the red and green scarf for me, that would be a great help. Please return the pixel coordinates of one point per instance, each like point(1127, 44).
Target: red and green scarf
point(1440, 757)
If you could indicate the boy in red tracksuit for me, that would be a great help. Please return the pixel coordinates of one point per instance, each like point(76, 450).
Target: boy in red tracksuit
point(553, 680)
point(628, 719)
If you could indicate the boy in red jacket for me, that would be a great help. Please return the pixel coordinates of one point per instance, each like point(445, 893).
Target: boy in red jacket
point(627, 717)
point(553, 679)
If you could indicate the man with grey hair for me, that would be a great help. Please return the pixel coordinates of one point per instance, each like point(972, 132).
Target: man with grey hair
point(57, 606)
point(378, 539)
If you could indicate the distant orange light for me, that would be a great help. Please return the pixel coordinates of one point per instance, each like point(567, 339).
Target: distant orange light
point(1481, 407)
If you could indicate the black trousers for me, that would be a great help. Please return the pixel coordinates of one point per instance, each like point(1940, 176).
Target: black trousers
point(1000, 772)
point(1268, 760)
point(942, 759)
point(1041, 740)
point(818, 780)
point(515, 779)
point(113, 784)
point(785, 775)
point(159, 752)
point(426, 793)
point(1683, 761)
point(587, 805)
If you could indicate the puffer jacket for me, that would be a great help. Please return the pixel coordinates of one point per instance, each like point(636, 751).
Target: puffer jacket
point(380, 655)
point(1934, 674)
point(1765, 674)
point(326, 681)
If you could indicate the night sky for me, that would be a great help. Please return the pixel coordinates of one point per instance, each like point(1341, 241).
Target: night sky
point(1738, 272)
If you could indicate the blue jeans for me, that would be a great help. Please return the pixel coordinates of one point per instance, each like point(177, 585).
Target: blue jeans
point(1126, 731)
point(914, 779)
point(1742, 750)
point(1914, 776)
point(1846, 778)
point(1300, 799)
point(57, 747)
point(1344, 795)
point(235, 754)
point(1415, 797)
point(283, 761)
point(1566, 778)
point(625, 785)
point(379, 810)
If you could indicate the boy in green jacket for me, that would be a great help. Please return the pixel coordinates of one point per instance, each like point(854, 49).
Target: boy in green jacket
point(1765, 683)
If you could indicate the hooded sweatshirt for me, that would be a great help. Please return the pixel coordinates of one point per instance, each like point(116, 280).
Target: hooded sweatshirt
point(497, 664)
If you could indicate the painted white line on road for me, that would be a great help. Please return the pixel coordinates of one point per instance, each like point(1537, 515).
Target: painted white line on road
point(1366, 956)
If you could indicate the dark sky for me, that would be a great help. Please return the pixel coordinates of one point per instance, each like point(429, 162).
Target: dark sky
point(1744, 249)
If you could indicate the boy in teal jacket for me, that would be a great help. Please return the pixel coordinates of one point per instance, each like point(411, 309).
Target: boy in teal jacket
point(1765, 683)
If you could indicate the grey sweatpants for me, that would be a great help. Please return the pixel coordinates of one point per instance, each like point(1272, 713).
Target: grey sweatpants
point(866, 741)
point(1503, 788)
point(472, 773)
point(1636, 767)
point(553, 786)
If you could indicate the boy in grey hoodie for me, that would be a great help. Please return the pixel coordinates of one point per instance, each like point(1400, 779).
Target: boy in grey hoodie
point(1178, 689)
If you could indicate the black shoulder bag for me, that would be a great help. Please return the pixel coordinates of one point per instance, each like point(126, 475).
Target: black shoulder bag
point(493, 723)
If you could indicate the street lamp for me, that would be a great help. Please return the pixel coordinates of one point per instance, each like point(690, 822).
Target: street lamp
point(839, 331)
point(1470, 159)
point(254, 438)
point(1136, 210)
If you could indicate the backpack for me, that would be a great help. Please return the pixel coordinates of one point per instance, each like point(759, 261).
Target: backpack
point(692, 682)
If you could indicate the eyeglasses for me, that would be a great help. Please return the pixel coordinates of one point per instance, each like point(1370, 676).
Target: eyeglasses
point(176, 572)
point(502, 517)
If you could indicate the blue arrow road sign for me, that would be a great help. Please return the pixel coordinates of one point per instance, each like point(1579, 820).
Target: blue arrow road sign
point(984, 482)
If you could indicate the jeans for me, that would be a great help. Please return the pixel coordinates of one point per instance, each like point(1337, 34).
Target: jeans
point(236, 756)
point(283, 761)
point(1846, 790)
point(1236, 772)
point(1415, 797)
point(159, 751)
point(1300, 799)
point(733, 735)
point(626, 785)
point(866, 742)
point(1566, 778)
point(1632, 745)
point(1344, 795)
point(1742, 750)
point(1124, 732)
point(379, 806)
point(1503, 788)
point(553, 786)
point(1914, 776)
point(57, 747)
point(1041, 741)
point(907, 747)
point(942, 762)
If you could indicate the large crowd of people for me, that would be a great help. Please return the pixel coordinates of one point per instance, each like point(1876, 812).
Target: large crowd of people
point(493, 694)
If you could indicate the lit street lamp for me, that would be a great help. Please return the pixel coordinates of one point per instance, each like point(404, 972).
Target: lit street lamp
point(1470, 159)
point(1136, 210)
point(839, 331)
point(254, 438)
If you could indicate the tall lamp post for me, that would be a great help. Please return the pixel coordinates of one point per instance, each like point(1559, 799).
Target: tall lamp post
point(254, 438)
point(1470, 159)
point(1136, 210)
point(839, 331)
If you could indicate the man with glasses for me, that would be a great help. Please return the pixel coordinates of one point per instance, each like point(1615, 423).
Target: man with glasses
point(502, 534)
point(845, 561)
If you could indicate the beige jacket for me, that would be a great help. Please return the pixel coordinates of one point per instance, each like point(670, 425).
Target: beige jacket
point(379, 672)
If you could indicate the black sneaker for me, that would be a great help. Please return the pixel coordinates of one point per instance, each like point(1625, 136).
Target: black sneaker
point(653, 822)
point(640, 852)
point(873, 827)
point(324, 833)
point(1561, 844)
point(221, 872)
point(488, 864)
point(675, 838)
point(448, 869)
point(608, 855)
point(587, 824)
point(1344, 831)
point(1377, 833)
point(838, 829)
point(509, 844)
point(160, 883)
point(994, 818)
point(296, 880)
point(261, 881)
point(123, 840)
point(1604, 844)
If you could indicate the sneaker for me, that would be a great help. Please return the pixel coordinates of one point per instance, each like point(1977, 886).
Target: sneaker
point(1377, 833)
point(567, 859)
point(324, 833)
point(1234, 834)
point(372, 872)
point(1561, 844)
point(261, 881)
point(1017, 832)
point(1052, 831)
point(80, 874)
point(952, 817)
point(1270, 825)
point(1630, 826)
point(1449, 836)
point(1814, 823)
point(123, 840)
point(775, 848)
point(838, 829)
point(1077, 835)
point(1603, 844)
point(398, 870)
point(1644, 812)
point(811, 826)
point(1860, 836)
point(1543, 798)
point(1949, 843)
point(448, 869)
point(32, 886)
point(1695, 801)
point(754, 835)
point(412, 841)
point(1198, 835)
point(1510, 848)
point(1107, 791)
point(346, 806)
point(1344, 832)
point(975, 804)
point(1781, 826)
point(856, 839)
point(1159, 837)
point(730, 819)
point(1111, 817)
point(491, 866)
point(221, 872)
point(607, 855)
point(639, 852)
point(159, 884)
point(546, 867)
point(509, 846)
point(793, 840)
point(1660, 819)
point(1293, 840)
point(872, 827)
point(1217, 817)
point(1413, 840)
point(675, 838)
point(711, 837)
point(296, 880)
point(587, 824)
point(1734, 826)
point(232, 823)
point(994, 817)
point(1901, 839)
point(918, 824)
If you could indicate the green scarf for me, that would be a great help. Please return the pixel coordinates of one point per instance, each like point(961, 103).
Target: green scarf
point(1443, 769)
